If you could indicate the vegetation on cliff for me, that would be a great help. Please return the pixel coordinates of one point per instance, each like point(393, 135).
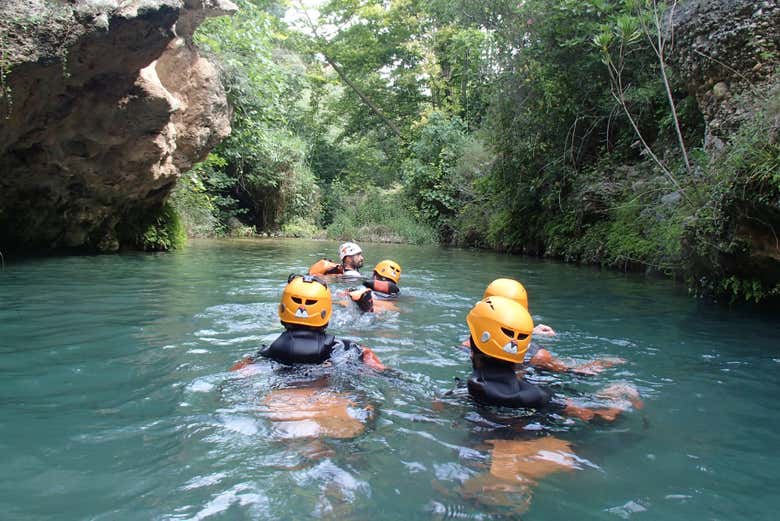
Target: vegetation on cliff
point(549, 128)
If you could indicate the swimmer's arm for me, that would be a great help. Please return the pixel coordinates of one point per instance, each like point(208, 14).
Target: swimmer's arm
point(385, 286)
point(368, 357)
point(543, 359)
point(249, 360)
point(365, 354)
point(586, 414)
point(363, 298)
point(543, 330)
point(618, 397)
point(596, 366)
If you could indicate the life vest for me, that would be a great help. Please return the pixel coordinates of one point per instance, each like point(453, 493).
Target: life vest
point(311, 346)
point(494, 382)
point(383, 289)
point(300, 346)
point(326, 267)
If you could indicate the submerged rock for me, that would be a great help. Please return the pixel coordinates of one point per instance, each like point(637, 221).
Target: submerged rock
point(104, 104)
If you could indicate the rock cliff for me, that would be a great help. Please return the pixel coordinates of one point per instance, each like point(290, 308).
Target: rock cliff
point(728, 52)
point(103, 104)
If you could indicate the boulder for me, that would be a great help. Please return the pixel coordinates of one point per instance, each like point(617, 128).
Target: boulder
point(104, 104)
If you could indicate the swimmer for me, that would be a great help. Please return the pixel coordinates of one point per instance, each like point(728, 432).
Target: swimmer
point(500, 334)
point(536, 355)
point(311, 411)
point(304, 312)
point(380, 291)
point(351, 256)
point(511, 288)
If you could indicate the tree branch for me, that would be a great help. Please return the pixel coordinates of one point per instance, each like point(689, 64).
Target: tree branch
point(373, 106)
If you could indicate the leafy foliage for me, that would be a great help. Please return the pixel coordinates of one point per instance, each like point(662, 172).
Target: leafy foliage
point(378, 215)
point(546, 127)
point(259, 174)
point(161, 231)
point(730, 239)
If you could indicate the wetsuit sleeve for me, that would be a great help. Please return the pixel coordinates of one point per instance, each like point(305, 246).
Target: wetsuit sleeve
point(531, 395)
point(533, 348)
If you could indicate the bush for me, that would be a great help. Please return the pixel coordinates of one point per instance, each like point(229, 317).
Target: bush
point(441, 174)
point(199, 209)
point(731, 241)
point(301, 227)
point(160, 231)
point(378, 215)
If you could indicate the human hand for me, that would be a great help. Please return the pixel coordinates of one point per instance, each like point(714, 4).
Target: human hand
point(242, 363)
point(543, 330)
point(596, 366)
point(620, 393)
point(371, 360)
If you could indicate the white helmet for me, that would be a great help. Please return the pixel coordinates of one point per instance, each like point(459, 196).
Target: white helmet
point(347, 249)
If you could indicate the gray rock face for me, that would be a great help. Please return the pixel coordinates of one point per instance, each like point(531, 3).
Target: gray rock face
point(104, 103)
point(726, 51)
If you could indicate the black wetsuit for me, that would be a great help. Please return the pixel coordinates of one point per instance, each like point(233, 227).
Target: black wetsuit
point(306, 346)
point(494, 382)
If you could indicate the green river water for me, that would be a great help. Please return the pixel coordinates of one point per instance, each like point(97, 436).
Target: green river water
point(117, 402)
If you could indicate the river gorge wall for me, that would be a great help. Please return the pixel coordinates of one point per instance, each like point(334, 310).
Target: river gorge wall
point(103, 105)
point(727, 52)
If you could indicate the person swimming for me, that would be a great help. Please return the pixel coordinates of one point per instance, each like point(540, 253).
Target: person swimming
point(537, 356)
point(351, 256)
point(311, 409)
point(381, 288)
point(304, 311)
point(500, 332)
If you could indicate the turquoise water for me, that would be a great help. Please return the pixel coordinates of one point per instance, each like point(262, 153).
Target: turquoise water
point(117, 402)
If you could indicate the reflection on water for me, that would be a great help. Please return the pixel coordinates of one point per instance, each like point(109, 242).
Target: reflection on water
point(117, 402)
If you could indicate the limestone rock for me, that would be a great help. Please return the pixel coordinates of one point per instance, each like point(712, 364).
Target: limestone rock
point(104, 104)
point(726, 51)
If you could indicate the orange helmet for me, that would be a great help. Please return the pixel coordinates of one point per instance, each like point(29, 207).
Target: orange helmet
point(306, 301)
point(508, 288)
point(389, 269)
point(500, 328)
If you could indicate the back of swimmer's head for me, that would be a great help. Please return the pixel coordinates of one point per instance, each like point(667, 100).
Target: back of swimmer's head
point(508, 288)
point(500, 328)
point(388, 269)
point(306, 301)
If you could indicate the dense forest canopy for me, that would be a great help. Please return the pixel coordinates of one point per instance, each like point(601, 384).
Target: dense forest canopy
point(554, 128)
